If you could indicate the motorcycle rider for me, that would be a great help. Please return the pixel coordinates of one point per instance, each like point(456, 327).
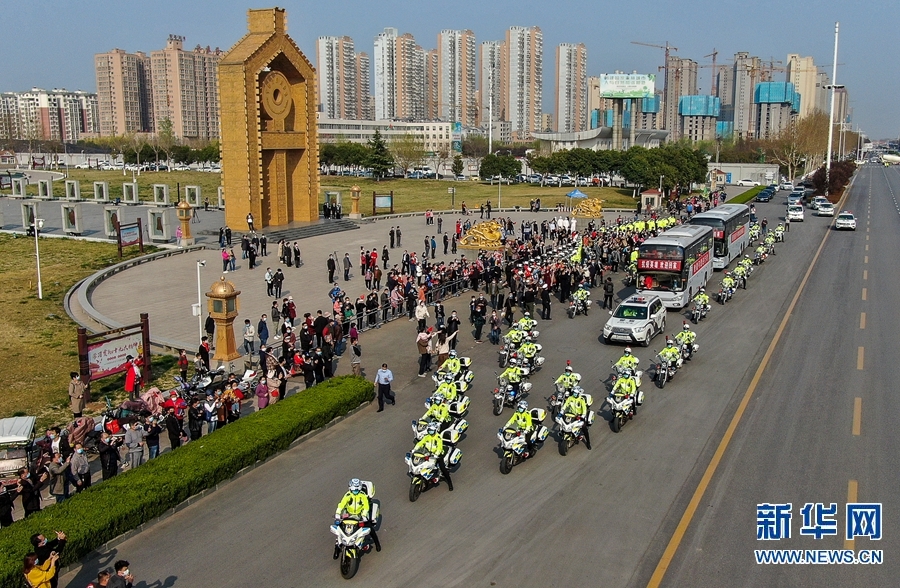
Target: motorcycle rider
point(569, 379)
point(452, 365)
point(575, 405)
point(438, 411)
point(747, 263)
point(761, 252)
point(627, 361)
point(686, 338)
point(702, 299)
point(355, 503)
point(521, 420)
point(740, 274)
point(526, 323)
point(626, 385)
point(433, 445)
point(513, 374)
point(581, 295)
point(728, 283)
point(515, 336)
point(670, 353)
point(447, 388)
point(529, 350)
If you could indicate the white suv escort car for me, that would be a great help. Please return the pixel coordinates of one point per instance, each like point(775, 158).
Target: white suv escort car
point(636, 320)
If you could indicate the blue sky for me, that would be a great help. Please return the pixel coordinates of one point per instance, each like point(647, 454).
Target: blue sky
point(51, 43)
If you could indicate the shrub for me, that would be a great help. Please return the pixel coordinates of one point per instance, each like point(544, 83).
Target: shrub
point(747, 196)
point(129, 500)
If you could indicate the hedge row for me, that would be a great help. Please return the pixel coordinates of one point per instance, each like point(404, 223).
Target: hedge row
point(125, 502)
point(747, 196)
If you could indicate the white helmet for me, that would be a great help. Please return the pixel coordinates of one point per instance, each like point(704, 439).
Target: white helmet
point(432, 428)
point(522, 406)
point(628, 351)
point(686, 327)
point(453, 353)
point(355, 486)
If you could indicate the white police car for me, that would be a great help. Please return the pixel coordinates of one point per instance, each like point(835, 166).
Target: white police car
point(845, 220)
point(636, 320)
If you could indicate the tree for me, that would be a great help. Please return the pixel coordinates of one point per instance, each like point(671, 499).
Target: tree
point(166, 139)
point(328, 153)
point(475, 146)
point(379, 159)
point(457, 166)
point(506, 166)
point(408, 151)
point(440, 158)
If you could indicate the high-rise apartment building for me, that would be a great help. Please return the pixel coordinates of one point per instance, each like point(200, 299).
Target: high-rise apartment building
point(400, 81)
point(803, 74)
point(776, 107)
point(343, 80)
point(184, 86)
point(746, 74)
point(457, 98)
point(489, 83)
point(54, 115)
point(123, 92)
point(432, 85)
point(337, 69)
point(681, 81)
point(571, 88)
point(522, 70)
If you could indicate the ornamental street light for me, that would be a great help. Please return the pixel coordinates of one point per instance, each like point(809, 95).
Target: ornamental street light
point(199, 307)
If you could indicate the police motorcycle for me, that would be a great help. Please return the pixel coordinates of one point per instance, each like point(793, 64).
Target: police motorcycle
point(424, 471)
point(699, 312)
point(577, 307)
point(630, 275)
point(532, 364)
point(624, 406)
point(557, 399)
point(665, 369)
point(461, 386)
point(505, 394)
point(514, 441)
point(353, 535)
point(456, 409)
point(463, 374)
point(725, 293)
point(570, 427)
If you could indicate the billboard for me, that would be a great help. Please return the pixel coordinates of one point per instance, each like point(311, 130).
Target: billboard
point(107, 357)
point(627, 85)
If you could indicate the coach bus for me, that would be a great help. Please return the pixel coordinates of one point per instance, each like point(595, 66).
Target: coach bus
point(676, 264)
point(731, 231)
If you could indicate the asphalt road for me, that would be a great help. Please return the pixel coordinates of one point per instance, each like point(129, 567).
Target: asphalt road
point(599, 518)
point(821, 426)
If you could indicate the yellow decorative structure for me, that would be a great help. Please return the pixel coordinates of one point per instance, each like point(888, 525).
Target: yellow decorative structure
point(267, 95)
point(486, 235)
point(223, 308)
point(183, 209)
point(354, 202)
point(591, 208)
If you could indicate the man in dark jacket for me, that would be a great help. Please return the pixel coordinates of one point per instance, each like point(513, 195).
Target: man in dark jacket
point(173, 428)
point(109, 455)
point(195, 419)
point(319, 326)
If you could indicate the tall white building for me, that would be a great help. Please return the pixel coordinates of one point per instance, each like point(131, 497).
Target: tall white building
point(681, 80)
point(457, 99)
point(523, 80)
point(364, 100)
point(803, 73)
point(385, 63)
point(746, 76)
point(571, 88)
point(337, 70)
point(489, 82)
point(53, 115)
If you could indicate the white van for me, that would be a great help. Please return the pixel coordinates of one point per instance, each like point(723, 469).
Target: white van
point(795, 213)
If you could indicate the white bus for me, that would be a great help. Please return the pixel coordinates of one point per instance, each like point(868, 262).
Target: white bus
point(676, 264)
point(731, 231)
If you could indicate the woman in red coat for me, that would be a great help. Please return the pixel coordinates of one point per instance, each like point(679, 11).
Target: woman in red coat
point(133, 377)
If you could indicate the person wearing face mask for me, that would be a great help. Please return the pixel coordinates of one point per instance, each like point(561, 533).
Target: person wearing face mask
point(76, 394)
point(59, 483)
point(45, 548)
point(54, 442)
point(109, 455)
point(319, 366)
point(123, 578)
point(80, 469)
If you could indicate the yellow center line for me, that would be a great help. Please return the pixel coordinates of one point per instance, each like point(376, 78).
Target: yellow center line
point(864, 293)
point(865, 274)
point(852, 494)
point(857, 415)
point(862, 320)
point(678, 535)
point(860, 353)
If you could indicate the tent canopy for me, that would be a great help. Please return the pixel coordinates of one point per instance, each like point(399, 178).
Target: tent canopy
point(16, 429)
point(576, 193)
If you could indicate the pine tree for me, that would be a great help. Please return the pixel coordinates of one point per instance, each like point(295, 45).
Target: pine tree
point(380, 160)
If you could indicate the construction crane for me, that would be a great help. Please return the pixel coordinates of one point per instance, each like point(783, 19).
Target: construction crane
point(712, 86)
point(668, 48)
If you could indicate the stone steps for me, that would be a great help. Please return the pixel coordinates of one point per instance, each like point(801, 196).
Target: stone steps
point(326, 227)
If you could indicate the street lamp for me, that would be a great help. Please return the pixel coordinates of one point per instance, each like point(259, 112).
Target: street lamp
point(199, 311)
point(38, 225)
point(832, 87)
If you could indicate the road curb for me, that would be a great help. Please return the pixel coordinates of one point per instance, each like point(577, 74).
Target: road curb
point(116, 541)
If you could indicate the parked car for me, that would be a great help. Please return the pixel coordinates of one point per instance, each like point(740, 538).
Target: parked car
point(764, 196)
point(825, 209)
point(816, 202)
point(786, 186)
point(748, 183)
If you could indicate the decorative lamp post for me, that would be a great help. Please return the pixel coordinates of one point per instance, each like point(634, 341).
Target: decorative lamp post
point(223, 308)
point(354, 202)
point(183, 209)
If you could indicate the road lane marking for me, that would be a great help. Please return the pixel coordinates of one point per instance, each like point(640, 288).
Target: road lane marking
point(867, 245)
point(678, 535)
point(860, 356)
point(865, 274)
point(867, 238)
point(852, 496)
point(857, 415)
point(862, 320)
point(866, 259)
point(864, 293)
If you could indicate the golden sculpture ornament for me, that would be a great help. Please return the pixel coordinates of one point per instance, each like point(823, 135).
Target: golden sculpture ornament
point(276, 95)
point(591, 208)
point(486, 235)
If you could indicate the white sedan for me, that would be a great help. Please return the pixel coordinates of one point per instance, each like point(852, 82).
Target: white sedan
point(748, 183)
point(845, 220)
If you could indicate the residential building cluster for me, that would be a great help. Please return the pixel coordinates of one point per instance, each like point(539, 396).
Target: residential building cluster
point(49, 115)
point(137, 92)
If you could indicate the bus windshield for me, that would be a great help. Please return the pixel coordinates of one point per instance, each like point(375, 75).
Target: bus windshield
point(720, 243)
point(673, 252)
point(660, 282)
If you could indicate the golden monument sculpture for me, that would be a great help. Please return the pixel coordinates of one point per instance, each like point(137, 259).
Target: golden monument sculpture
point(223, 307)
point(486, 235)
point(270, 153)
point(591, 208)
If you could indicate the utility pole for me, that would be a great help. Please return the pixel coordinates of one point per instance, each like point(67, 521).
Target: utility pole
point(491, 110)
point(831, 113)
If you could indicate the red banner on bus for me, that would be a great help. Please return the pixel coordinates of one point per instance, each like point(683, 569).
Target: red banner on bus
point(719, 234)
point(738, 233)
point(670, 265)
point(700, 263)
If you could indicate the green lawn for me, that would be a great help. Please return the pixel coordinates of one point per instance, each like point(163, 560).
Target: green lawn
point(409, 195)
point(37, 337)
